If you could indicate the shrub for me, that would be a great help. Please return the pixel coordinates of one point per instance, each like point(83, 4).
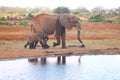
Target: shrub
point(15, 23)
point(107, 21)
point(24, 24)
point(8, 23)
point(117, 21)
point(2, 19)
point(2, 23)
point(96, 18)
point(29, 17)
point(61, 10)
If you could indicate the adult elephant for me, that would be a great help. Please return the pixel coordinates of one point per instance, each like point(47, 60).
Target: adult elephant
point(56, 24)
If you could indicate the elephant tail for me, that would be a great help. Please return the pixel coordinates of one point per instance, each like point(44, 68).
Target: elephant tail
point(31, 27)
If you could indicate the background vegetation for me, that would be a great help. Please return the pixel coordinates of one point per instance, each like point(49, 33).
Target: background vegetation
point(21, 16)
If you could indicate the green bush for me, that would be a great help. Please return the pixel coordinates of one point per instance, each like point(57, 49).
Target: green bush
point(76, 12)
point(2, 19)
point(8, 23)
point(117, 21)
point(2, 23)
point(107, 21)
point(96, 18)
point(61, 10)
point(24, 24)
point(15, 23)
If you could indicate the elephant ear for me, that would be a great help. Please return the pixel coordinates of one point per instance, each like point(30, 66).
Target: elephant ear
point(64, 20)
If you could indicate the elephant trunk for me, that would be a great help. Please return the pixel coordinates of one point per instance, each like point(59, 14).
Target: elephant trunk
point(78, 34)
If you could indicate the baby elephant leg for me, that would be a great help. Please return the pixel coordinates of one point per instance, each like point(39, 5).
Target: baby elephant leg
point(44, 45)
point(25, 46)
point(35, 44)
point(45, 42)
point(31, 45)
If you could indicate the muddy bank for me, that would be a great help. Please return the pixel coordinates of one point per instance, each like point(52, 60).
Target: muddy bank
point(27, 53)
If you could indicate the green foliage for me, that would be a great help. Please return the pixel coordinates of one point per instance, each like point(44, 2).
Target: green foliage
point(15, 23)
point(24, 24)
point(107, 21)
point(22, 14)
point(75, 12)
point(81, 11)
point(96, 18)
point(1, 23)
point(2, 19)
point(8, 24)
point(117, 21)
point(61, 10)
point(30, 15)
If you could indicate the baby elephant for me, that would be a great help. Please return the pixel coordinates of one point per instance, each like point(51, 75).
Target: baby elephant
point(33, 39)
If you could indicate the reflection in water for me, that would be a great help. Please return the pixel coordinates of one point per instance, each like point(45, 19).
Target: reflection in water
point(60, 59)
point(100, 67)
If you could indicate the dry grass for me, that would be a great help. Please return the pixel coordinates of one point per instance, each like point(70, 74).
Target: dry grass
point(15, 49)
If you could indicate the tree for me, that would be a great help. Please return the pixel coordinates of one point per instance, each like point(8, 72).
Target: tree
point(118, 11)
point(82, 11)
point(61, 10)
point(98, 10)
point(30, 16)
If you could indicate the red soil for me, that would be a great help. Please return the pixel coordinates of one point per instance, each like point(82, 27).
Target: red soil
point(90, 31)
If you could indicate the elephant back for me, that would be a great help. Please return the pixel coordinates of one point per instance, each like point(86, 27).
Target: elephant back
point(45, 22)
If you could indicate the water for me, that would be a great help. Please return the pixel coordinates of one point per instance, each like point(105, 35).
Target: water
point(102, 67)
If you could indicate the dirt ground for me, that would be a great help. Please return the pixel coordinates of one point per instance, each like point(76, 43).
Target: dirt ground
point(99, 38)
point(90, 31)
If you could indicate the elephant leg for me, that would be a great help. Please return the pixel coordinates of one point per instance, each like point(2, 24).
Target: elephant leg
point(44, 45)
point(63, 36)
point(35, 44)
point(31, 45)
point(41, 43)
point(78, 36)
point(82, 46)
point(45, 41)
point(58, 40)
point(25, 46)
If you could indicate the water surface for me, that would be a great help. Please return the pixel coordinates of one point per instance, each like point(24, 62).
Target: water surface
point(102, 67)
